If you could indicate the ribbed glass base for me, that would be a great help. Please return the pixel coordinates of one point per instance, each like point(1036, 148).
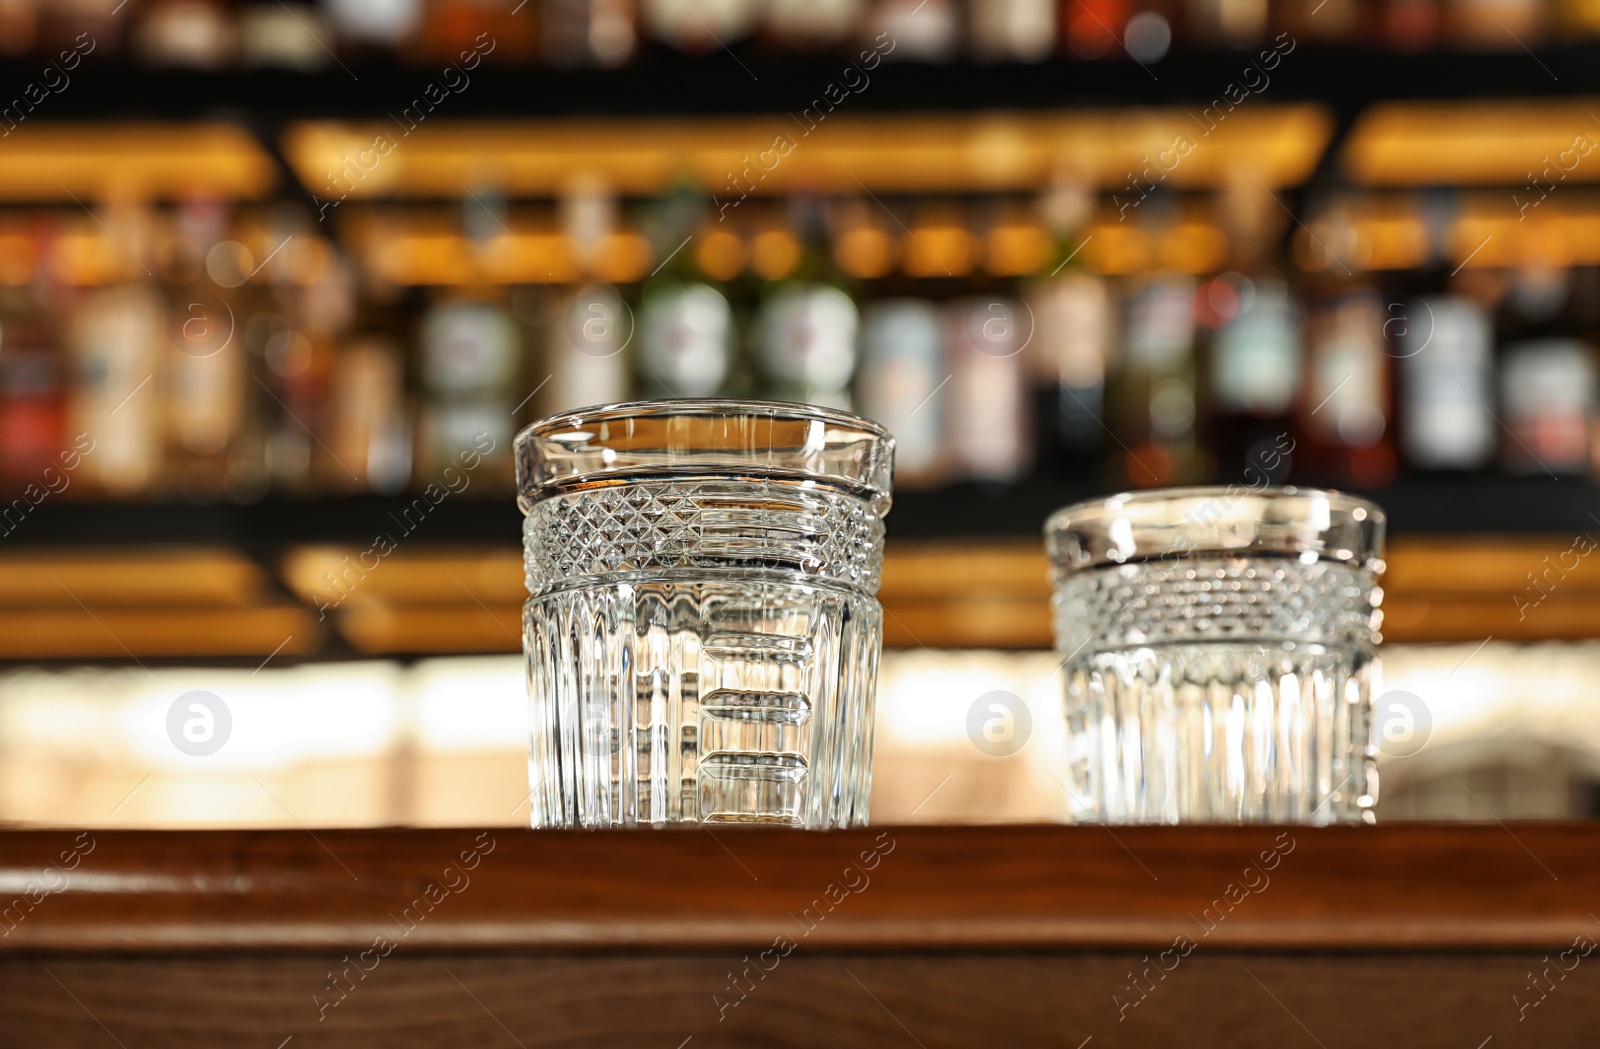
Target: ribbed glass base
point(668, 696)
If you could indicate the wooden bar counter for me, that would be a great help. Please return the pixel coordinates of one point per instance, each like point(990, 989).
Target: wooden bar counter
point(1421, 935)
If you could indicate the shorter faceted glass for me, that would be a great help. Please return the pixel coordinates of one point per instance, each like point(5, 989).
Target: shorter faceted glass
point(1219, 654)
point(702, 635)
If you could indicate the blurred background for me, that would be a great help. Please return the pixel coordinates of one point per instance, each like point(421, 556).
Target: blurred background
point(279, 282)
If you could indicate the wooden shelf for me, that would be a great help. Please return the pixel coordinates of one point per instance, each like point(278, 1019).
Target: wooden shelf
point(58, 162)
point(886, 153)
point(457, 598)
point(132, 603)
point(964, 568)
point(944, 594)
point(449, 575)
point(147, 577)
point(1414, 935)
point(422, 599)
point(120, 634)
point(1473, 142)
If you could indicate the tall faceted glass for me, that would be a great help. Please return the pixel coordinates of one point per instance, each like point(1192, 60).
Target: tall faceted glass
point(702, 635)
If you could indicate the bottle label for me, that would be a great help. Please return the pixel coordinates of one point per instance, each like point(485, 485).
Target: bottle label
point(809, 337)
point(588, 364)
point(1073, 331)
point(1445, 355)
point(988, 408)
point(1256, 369)
point(1548, 394)
point(1349, 385)
point(1161, 325)
point(686, 339)
point(901, 369)
point(468, 347)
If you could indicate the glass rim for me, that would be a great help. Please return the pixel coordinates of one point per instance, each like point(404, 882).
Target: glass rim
point(667, 407)
point(785, 441)
point(1360, 521)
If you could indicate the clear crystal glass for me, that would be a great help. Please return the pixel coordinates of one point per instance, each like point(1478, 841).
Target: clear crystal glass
point(702, 638)
point(1218, 648)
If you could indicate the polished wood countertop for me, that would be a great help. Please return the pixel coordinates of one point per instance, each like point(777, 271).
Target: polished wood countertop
point(1391, 887)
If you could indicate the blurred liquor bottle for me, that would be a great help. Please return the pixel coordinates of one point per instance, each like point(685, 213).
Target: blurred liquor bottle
point(1075, 330)
point(293, 374)
point(188, 34)
point(383, 26)
point(83, 27)
point(370, 411)
point(266, 450)
point(19, 26)
point(292, 380)
point(686, 326)
point(273, 35)
point(205, 361)
point(472, 362)
point(1252, 350)
point(1547, 388)
point(902, 380)
point(1345, 415)
point(248, 477)
point(1153, 397)
point(725, 253)
point(603, 33)
point(1547, 370)
point(902, 369)
point(1325, 21)
point(1227, 23)
point(592, 331)
point(118, 344)
point(806, 328)
point(812, 25)
point(1543, 295)
point(1409, 25)
point(1012, 30)
point(914, 30)
point(114, 327)
point(1254, 375)
point(320, 288)
point(1446, 363)
point(33, 391)
point(370, 426)
point(1497, 25)
point(989, 423)
point(500, 32)
point(981, 249)
point(470, 359)
point(1443, 341)
point(699, 27)
point(1075, 317)
point(1584, 324)
point(1093, 28)
point(242, 304)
